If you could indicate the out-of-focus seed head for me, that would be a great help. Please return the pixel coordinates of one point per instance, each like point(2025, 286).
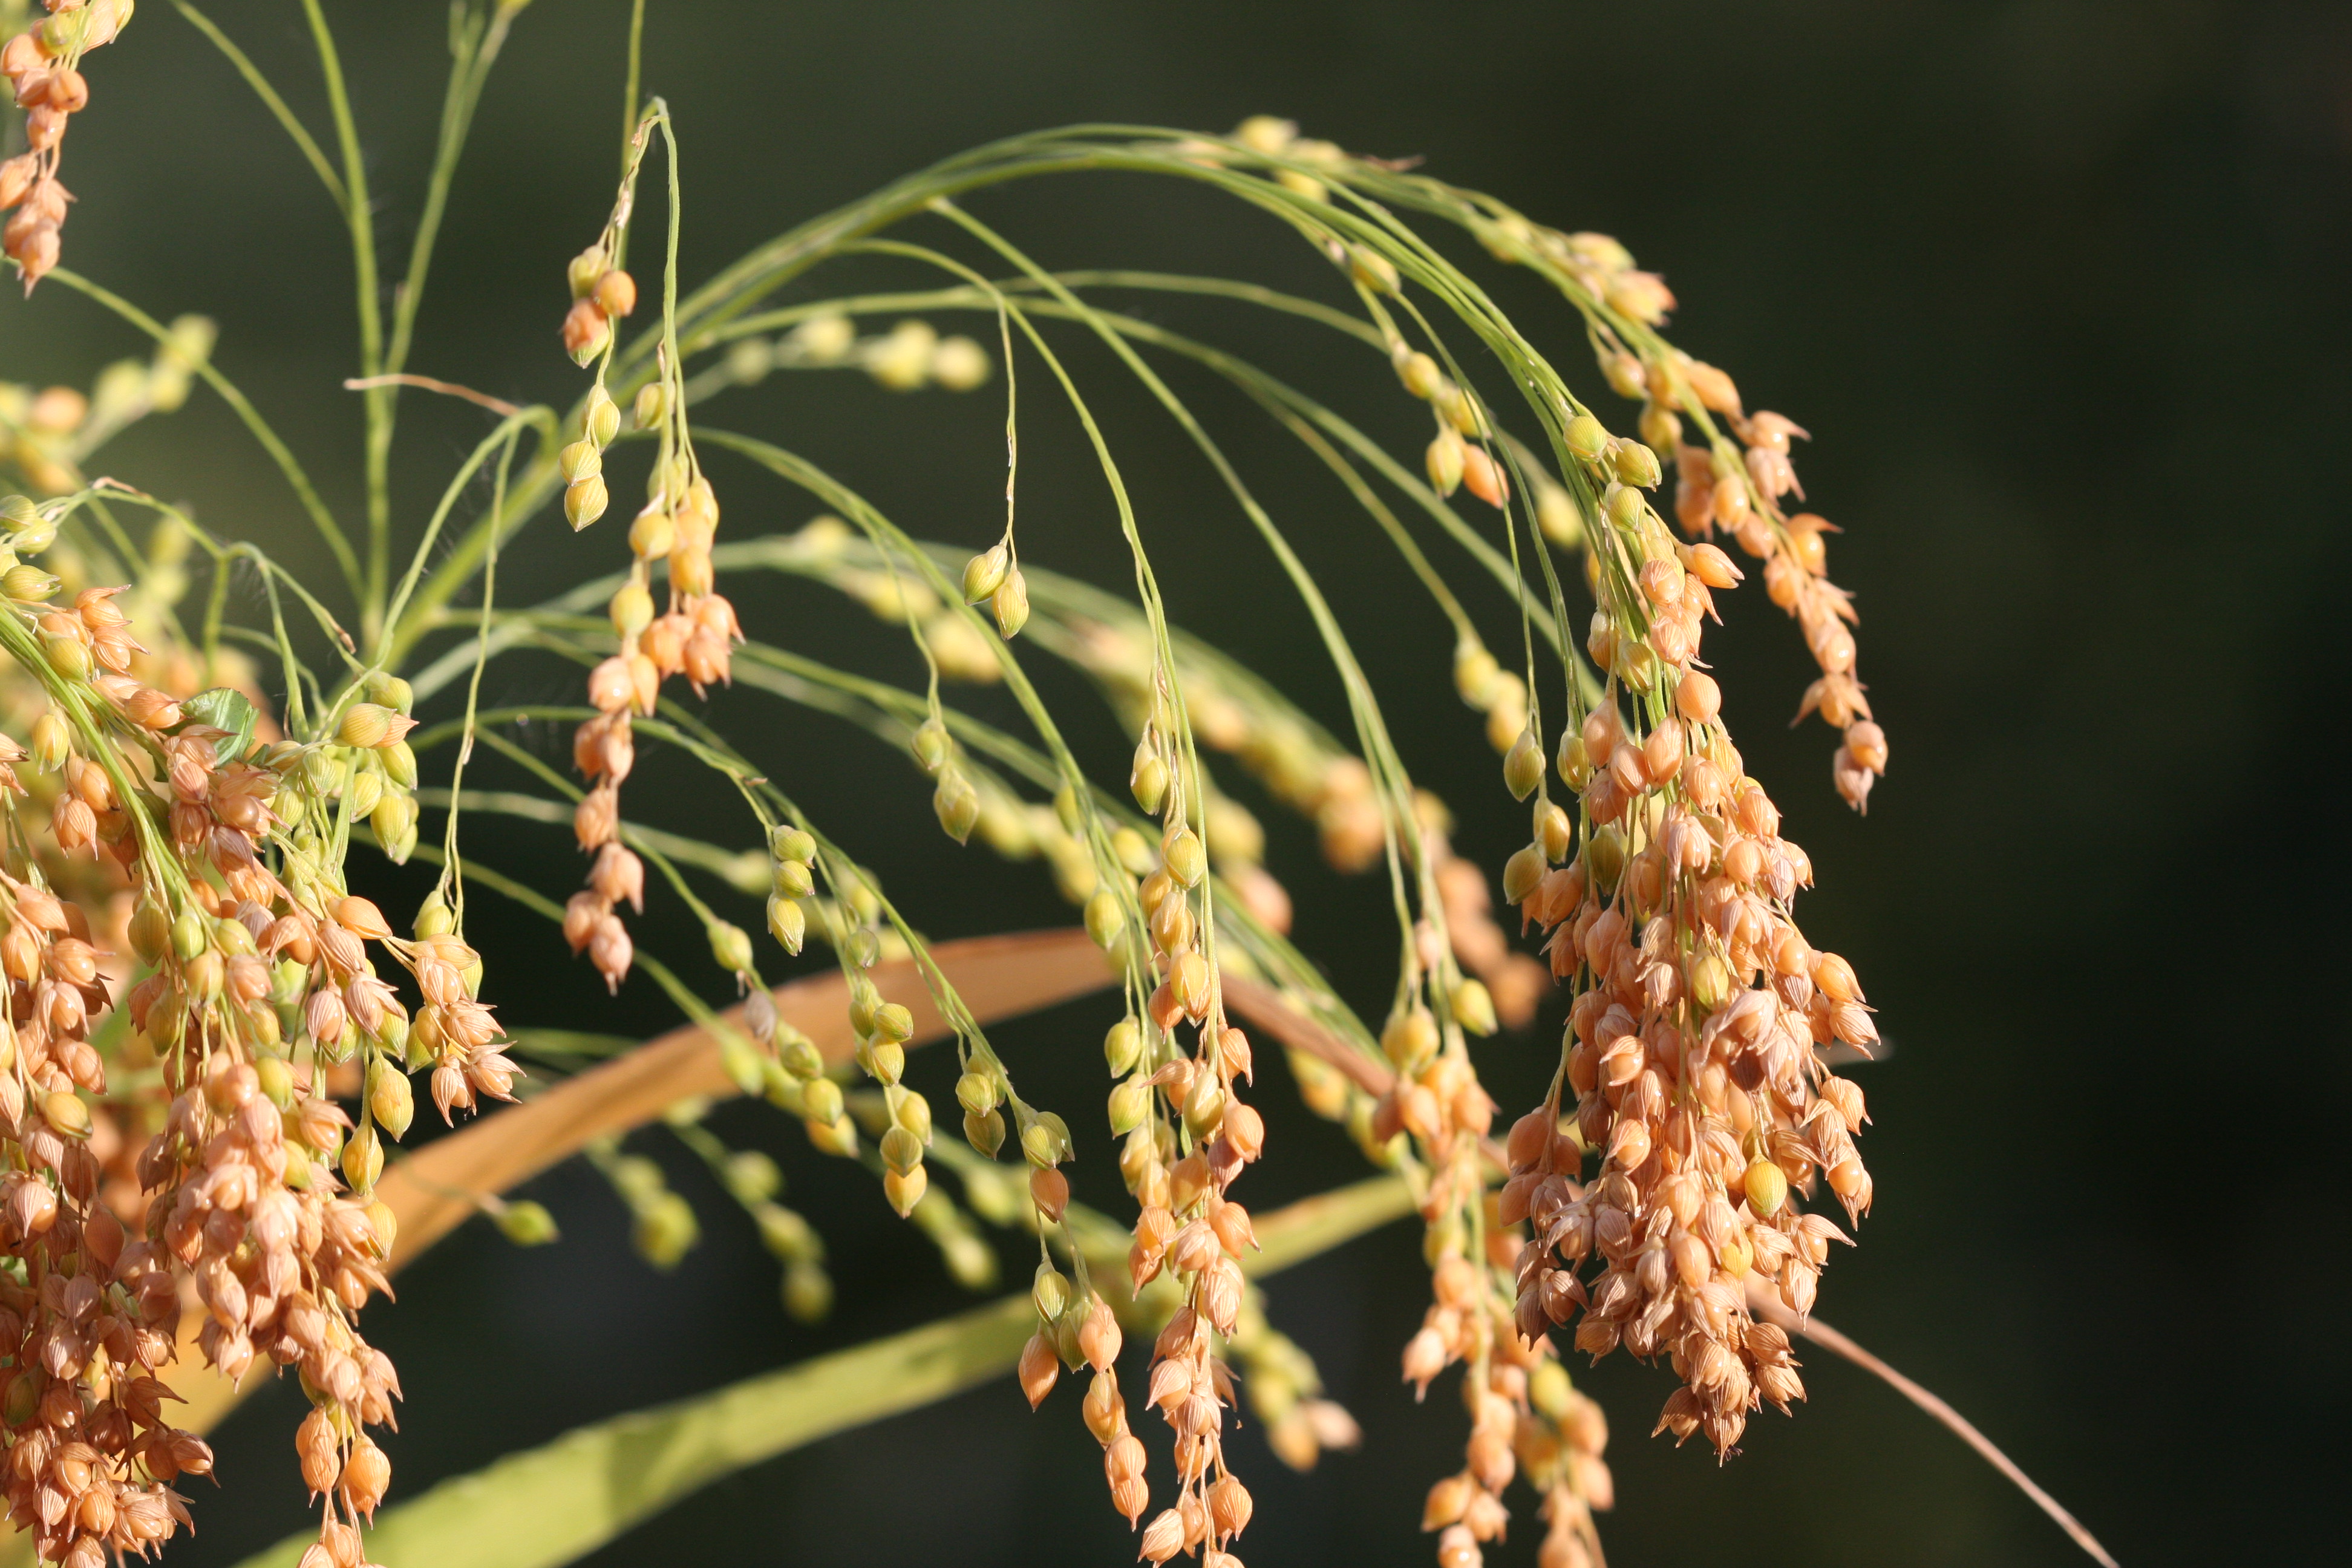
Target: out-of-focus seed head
point(1410, 1039)
point(1105, 918)
point(1443, 462)
point(730, 946)
point(1417, 371)
point(615, 293)
point(1472, 1007)
point(956, 805)
point(651, 407)
point(586, 331)
point(527, 1224)
point(583, 269)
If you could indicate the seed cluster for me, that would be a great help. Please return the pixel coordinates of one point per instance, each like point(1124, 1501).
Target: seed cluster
point(252, 1186)
point(694, 635)
point(43, 65)
point(1693, 1055)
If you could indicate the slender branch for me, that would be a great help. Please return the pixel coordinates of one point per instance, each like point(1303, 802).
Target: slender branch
point(277, 105)
point(1766, 1304)
point(432, 384)
point(361, 219)
point(329, 528)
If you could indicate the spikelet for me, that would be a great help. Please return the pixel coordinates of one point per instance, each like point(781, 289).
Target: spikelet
point(42, 66)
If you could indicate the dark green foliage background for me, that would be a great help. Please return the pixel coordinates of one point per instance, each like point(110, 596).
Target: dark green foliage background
point(2058, 287)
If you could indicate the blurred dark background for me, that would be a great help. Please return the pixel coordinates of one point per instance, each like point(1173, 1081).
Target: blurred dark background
point(2058, 287)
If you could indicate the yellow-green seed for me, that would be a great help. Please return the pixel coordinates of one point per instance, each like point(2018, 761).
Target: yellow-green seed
point(1635, 464)
point(1104, 917)
point(584, 501)
point(956, 805)
point(1472, 1007)
point(602, 419)
point(527, 1224)
point(66, 1111)
point(1521, 872)
point(730, 946)
point(931, 746)
point(821, 1100)
point(1523, 765)
point(1123, 1047)
point(390, 1099)
point(1010, 604)
point(27, 584)
point(808, 1293)
point(985, 573)
point(901, 1149)
point(189, 936)
point(653, 403)
point(1131, 1105)
point(631, 609)
point(1586, 437)
point(976, 1092)
point(1188, 862)
point(787, 923)
point(666, 1231)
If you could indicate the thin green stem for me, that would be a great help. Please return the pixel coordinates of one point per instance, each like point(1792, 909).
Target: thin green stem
point(329, 528)
point(275, 104)
point(361, 219)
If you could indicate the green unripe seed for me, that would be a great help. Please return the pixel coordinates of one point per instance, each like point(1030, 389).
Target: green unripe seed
point(821, 1101)
point(1050, 1292)
point(1131, 1105)
point(1586, 439)
point(1523, 765)
point(985, 573)
point(1635, 464)
point(787, 923)
point(391, 691)
point(277, 1082)
point(976, 1092)
point(1104, 917)
point(801, 1057)
point(1123, 1047)
point(931, 746)
point(1472, 1007)
point(730, 946)
point(1188, 862)
point(901, 1149)
point(1010, 604)
point(956, 804)
point(189, 937)
point(602, 419)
